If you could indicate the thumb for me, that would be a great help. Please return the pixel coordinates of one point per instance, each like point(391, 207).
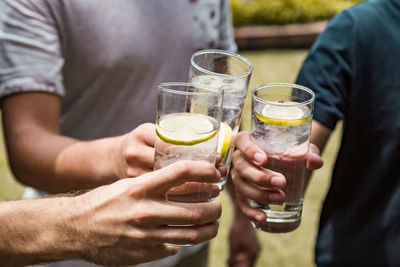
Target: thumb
point(162, 180)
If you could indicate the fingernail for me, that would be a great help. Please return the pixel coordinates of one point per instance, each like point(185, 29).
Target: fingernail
point(221, 170)
point(274, 197)
point(259, 217)
point(218, 174)
point(259, 157)
point(277, 181)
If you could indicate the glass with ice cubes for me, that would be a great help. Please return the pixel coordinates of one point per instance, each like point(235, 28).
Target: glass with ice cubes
point(230, 72)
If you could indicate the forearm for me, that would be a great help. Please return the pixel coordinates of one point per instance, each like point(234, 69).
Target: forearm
point(33, 231)
point(43, 158)
point(55, 163)
point(319, 137)
point(230, 187)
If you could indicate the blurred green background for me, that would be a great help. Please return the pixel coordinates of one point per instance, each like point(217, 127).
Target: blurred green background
point(263, 12)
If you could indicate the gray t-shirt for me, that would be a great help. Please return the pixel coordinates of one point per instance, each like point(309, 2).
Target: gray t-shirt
point(105, 58)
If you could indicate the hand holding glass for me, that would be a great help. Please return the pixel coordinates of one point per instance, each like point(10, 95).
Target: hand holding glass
point(281, 125)
point(187, 124)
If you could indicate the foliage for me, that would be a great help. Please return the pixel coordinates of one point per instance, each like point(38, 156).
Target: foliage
point(261, 12)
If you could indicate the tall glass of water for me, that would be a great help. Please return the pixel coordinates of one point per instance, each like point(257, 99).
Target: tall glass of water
point(230, 72)
point(281, 125)
point(187, 125)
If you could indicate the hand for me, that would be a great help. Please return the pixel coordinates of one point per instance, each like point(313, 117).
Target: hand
point(254, 182)
point(244, 245)
point(137, 151)
point(130, 221)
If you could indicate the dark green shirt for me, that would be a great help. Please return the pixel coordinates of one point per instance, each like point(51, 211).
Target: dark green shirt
point(354, 69)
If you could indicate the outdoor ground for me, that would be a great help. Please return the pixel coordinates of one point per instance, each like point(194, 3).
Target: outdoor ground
point(283, 250)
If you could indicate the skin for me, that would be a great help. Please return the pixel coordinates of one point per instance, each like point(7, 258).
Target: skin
point(60, 164)
point(263, 185)
point(125, 223)
point(244, 246)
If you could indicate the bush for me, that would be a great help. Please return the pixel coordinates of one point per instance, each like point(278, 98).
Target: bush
point(261, 12)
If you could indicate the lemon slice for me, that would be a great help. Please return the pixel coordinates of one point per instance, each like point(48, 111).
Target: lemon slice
point(224, 140)
point(186, 129)
point(283, 115)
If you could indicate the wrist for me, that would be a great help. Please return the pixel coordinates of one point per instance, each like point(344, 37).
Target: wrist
point(107, 163)
point(34, 231)
point(62, 235)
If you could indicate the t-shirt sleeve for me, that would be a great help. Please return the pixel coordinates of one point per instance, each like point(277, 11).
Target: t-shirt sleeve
point(226, 36)
point(327, 70)
point(30, 55)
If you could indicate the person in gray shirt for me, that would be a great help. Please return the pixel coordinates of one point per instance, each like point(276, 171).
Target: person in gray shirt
point(77, 76)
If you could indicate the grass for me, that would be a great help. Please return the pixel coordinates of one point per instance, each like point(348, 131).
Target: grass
point(292, 249)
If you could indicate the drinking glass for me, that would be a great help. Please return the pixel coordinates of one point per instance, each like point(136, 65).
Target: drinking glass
point(187, 124)
point(281, 125)
point(231, 73)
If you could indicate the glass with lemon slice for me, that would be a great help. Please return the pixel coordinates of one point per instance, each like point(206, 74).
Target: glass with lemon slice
point(281, 125)
point(187, 125)
point(230, 72)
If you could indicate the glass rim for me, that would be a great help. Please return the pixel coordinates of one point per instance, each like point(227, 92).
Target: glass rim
point(292, 85)
point(222, 52)
point(212, 91)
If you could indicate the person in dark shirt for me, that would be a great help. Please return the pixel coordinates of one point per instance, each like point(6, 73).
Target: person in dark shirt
point(353, 70)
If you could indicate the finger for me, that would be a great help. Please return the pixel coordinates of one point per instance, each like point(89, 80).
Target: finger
point(215, 191)
point(258, 175)
point(143, 156)
point(147, 133)
point(251, 213)
point(179, 213)
point(134, 171)
point(162, 180)
point(142, 255)
point(186, 235)
point(239, 259)
point(191, 192)
point(222, 169)
point(218, 158)
point(314, 159)
point(255, 193)
point(249, 149)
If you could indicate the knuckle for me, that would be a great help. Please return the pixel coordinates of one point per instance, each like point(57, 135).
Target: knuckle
point(236, 155)
point(249, 149)
point(142, 217)
point(139, 236)
point(258, 178)
point(131, 153)
point(240, 163)
point(234, 175)
point(183, 167)
point(192, 236)
point(197, 214)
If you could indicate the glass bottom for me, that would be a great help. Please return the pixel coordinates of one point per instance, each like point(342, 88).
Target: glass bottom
point(280, 218)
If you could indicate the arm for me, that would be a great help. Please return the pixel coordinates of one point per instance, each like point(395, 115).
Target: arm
point(125, 223)
point(29, 233)
point(318, 138)
point(41, 157)
point(244, 245)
